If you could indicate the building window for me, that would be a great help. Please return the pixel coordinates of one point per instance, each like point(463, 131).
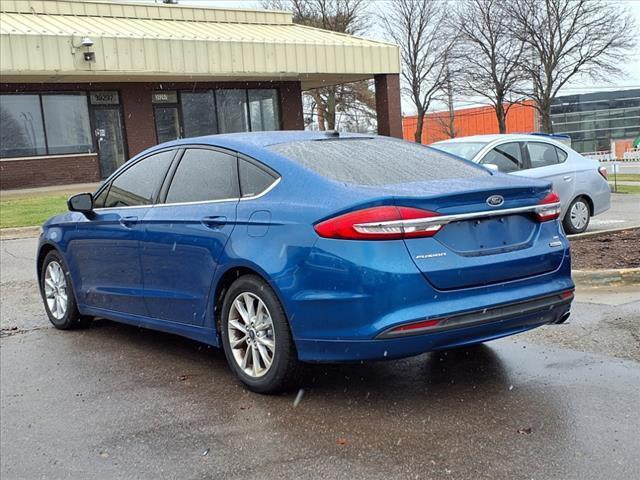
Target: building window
point(42, 124)
point(198, 113)
point(66, 121)
point(232, 110)
point(194, 113)
point(21, 128)
point(263, 109)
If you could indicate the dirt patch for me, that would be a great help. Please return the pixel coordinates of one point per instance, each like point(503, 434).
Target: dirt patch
point(609, 250)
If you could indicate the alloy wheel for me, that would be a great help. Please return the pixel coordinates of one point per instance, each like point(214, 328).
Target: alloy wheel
point(251, 335)
point(579, 215)
point(55, 290)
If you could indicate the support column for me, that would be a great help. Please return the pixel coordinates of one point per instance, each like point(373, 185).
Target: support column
point(291, 113)
point(388, 107)
point(139, 121)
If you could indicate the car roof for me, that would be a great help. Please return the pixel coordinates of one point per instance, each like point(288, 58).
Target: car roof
point(261, 139)
point(501, 136)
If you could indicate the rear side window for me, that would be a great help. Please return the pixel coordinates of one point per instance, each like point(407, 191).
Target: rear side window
point(139, 184)
point(376, 161)
point(253, 179)
point(542, 154)
point(507, 157)
point(204, 175)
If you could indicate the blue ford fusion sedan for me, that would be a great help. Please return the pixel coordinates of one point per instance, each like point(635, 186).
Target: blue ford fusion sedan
point(291, 247)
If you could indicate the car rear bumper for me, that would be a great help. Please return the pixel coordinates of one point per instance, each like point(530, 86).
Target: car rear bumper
point(457, 330)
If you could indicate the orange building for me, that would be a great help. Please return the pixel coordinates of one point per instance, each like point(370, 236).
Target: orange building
point(521, 118)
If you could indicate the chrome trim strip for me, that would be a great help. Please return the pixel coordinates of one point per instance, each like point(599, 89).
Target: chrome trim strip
point(264, 192)
point(201, 202)
point(445, 219)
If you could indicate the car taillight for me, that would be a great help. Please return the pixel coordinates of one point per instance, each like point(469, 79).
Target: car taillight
point(603, 171)
point(380, 223)
point(549, 208)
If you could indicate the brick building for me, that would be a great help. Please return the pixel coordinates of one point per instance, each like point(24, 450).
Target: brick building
point(85, 85)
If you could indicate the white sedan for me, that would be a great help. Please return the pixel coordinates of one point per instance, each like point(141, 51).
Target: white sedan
point(580, 182)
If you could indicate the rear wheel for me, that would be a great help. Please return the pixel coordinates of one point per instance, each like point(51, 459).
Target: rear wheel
point(576, 220)
point(57, 294)
point(256, 337)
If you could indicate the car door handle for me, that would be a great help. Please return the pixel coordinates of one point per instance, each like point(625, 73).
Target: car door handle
point(567, 178)
point(128, 221)
point(214, 221)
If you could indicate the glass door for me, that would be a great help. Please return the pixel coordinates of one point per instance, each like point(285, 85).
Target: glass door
point(167, 123)
point(107, 123)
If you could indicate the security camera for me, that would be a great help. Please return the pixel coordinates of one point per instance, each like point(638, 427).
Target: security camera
point(87, 42)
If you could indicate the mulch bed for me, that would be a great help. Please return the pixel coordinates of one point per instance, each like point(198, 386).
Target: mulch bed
point(609, 250)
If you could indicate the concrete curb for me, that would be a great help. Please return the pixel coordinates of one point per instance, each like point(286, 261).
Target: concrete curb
point(578, 236)
point(595, 278)
point(19, 232)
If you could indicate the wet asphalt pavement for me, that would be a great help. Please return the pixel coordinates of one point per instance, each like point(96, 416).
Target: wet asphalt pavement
point(113, 401)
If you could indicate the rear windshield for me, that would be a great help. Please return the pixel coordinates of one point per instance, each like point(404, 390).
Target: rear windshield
point(466, 150)
point(376, 161)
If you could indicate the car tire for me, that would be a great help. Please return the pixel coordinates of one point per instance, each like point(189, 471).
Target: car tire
point(246, 338)
point(57, 294)
point(577, 218)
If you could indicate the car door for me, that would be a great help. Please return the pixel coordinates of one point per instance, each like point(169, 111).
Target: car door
point(186, 235)
point(547, 162)
point(105, 251)
point(507, 157)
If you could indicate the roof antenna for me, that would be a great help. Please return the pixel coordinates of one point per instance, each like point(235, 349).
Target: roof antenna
point(332, 134)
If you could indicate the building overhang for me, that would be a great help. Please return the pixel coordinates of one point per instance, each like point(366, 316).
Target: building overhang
point(42, 42)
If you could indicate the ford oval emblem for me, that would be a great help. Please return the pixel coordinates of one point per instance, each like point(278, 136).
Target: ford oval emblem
point(495, 200)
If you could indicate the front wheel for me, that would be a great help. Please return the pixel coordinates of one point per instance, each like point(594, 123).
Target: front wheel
point(57, 294)
point(256, 338)
point(576, 220)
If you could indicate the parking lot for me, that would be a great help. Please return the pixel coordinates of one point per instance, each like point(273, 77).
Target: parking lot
point(115, 401)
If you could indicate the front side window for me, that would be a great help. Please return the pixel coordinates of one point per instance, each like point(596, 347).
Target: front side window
point(507, 157)
point(21, 127)
point(138, 184)
point(253, 179)
point(204, 175)
point(542, 154)
point(66, 121)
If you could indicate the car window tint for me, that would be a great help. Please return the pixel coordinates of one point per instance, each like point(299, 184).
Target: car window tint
point(542, 154)
point(507, 157)
point(204, 175)
point(253, 179)
point(138, 184)
point(376, 161)
point(562, 155)
point(98, 200)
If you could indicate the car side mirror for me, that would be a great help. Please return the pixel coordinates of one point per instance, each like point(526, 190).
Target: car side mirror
point(491, 166)
point(82, 202)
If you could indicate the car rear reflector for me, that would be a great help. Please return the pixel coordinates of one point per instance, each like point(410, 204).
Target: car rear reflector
point(603, 171)
point(549, 208)
point(378, 223)
point(415, 326)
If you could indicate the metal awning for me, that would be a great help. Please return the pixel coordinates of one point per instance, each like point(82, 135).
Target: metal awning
point(42, 41)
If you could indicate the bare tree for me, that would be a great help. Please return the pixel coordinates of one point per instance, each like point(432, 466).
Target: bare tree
point(421, 30)
point(446, 120)
point(343, 16)
point(566, 39)
point(491, 54)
